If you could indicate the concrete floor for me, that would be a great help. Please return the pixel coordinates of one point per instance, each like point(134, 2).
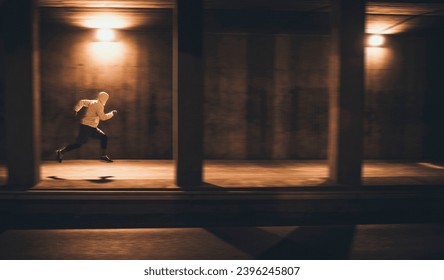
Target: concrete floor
point(378, 241)
point(411, 240)
point(148, 174)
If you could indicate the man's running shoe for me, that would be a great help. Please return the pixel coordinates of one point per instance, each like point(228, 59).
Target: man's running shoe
point(106, 158)
point(59, 156)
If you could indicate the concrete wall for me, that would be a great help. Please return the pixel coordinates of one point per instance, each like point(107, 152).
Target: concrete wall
point(2, 99)
point(434, 99)
point(265, 94)
point(395, 92)
point(267, 97)
point(2, 123)
point(136, 72)
point(2, 110)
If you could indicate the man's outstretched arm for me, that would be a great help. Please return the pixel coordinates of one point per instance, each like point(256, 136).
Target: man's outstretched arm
point(82, 103)
point(107, 116)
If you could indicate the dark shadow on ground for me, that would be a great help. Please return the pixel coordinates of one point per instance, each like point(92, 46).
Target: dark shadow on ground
point(205, 186)
point(56, 178)
point(102, 180)
point(304, 243)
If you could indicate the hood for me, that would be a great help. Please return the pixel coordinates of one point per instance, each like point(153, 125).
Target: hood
point(103, 97)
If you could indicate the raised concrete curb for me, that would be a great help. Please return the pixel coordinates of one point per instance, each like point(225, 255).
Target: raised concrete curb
point(233, 207)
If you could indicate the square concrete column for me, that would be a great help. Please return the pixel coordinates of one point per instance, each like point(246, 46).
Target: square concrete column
point(346, 92)
point(188, 92)
point(22, 92)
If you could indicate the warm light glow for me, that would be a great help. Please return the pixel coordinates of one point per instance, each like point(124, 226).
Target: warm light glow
point(378, 58)
point(108, 21)
point(105, 35)
point(376, 40)
point(107, 52)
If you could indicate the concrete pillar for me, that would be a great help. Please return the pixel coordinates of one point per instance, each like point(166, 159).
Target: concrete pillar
point(346, 92)
point(188, 92)
point(22, 91)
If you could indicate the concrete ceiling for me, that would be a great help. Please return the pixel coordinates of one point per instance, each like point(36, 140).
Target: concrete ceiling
point(389, 17)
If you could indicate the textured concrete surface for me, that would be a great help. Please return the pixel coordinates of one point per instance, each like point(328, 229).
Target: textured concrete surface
point(94, 174)
point(140, 194)
point(391, 241)
point(136, 72)
point(260, 103)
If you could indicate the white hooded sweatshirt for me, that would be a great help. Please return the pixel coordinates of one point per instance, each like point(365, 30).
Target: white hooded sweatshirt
point(95, 112)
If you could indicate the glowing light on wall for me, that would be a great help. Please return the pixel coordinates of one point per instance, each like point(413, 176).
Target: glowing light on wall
point(105, 34)
point(107, 21)
point(375, 40)
point(378, 58)
point(377, 54)
point(107, 52)
point(105, 49)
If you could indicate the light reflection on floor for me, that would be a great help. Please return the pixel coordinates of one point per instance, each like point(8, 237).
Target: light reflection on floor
point(227, 174)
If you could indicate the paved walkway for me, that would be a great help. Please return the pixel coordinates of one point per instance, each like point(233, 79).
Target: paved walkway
point(393, 241)
point(155, 174)
point(378, 241)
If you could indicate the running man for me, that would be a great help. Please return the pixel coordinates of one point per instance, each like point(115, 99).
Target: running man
point(89, 125)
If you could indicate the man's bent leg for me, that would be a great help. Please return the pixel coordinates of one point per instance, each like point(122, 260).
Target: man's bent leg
point(99, 134)
point(82, 138)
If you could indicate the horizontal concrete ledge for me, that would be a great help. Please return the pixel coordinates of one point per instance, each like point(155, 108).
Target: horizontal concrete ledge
point(251, 193)
point(252, 207)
